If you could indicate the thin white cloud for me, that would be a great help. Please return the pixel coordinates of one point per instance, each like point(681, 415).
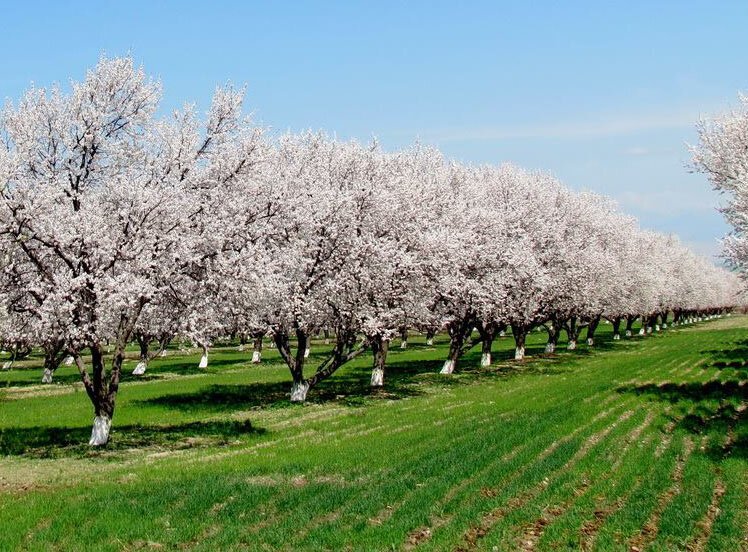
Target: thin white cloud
point(638, 151)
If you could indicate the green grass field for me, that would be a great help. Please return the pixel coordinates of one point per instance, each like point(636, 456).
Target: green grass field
point(638, 445)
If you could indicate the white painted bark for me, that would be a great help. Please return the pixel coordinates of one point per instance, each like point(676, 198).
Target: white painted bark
point(642, 331)
point(377, 377)
point(140, 368)
point(485, 359)
point(306, 352)
point(430, 341)
point(628, 333)
point(256, 357)
point(448, 368)
point(657, 327)
point(404, 344)
point(68, 361)
point(590, 341)
point(649, 329)
point(100, 431)
point(299, 391)
point(47, 376)
point(572, 345)
point(203, 361)
point(163, 353)
point(550, 348)
point(664, 326)
point(502, 333)
point(240, 347)
point(519, 353)
point(616, 337)
point(327, 341)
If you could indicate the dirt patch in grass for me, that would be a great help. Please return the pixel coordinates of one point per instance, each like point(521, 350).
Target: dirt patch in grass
point(704, 527)
point(652, 526)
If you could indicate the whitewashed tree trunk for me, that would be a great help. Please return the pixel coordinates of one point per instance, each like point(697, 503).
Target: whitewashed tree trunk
point(204, 358)
point(430, 341)
point(299, 391)
point(502, 333)
point(519, 353)
point(69, 361)
point(163, 353)
point(327, 341)
point(100, 432)
point(140, 369)
point(240, 347)
point(572, 345)
point(256, 357)
point(628, 333)
point(485, 359)
point(377, 377)
point(642, 331)
point(449, 367)
point(657, 327)
point(404, 344)
point(590, 342)
point(616, 337)
point(649, 329)
point(306, 352)
point(550, 347)
point(47, 376)
point(7, 364)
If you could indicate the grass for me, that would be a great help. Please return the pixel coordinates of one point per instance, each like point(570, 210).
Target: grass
point(636, 445)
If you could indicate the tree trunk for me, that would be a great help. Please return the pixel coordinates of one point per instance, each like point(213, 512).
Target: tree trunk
point(430, 334)
point(617, 328)
point(572, 333)
point(488, 332)
point(404, 338)
point(459, 330)
point(53, 355)
point(204, 358)
point(257, 350)
point(142, 366)
point(554, 331)
point(102, 393)
point(455, 345)
point(379, 348)
point(630, 325)
point(520, 335)
point(591, 329)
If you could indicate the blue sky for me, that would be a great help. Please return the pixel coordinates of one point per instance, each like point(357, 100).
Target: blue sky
point(603, 94)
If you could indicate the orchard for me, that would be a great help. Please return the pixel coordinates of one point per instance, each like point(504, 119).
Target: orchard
point(121, 226)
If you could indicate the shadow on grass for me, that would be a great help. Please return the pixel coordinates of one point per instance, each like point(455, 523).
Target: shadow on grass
point(716, 408)
point(57, 442)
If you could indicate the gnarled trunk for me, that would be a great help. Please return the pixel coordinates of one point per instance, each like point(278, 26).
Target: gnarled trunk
point(617, 328)
point(572, 333)
point(459, 331)
point(379, 348)
point(142, 366)
point(591, 329)
point(257, 350)
point(554, 331)
point(520, 336)
point(488, 331)
point(204, 358)
point(403, 338)
point(53, 355)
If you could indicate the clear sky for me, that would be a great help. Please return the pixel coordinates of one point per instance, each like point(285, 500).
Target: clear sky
point(602, 94)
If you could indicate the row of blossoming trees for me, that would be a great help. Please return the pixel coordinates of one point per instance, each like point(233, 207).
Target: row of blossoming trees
point(118, 225)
